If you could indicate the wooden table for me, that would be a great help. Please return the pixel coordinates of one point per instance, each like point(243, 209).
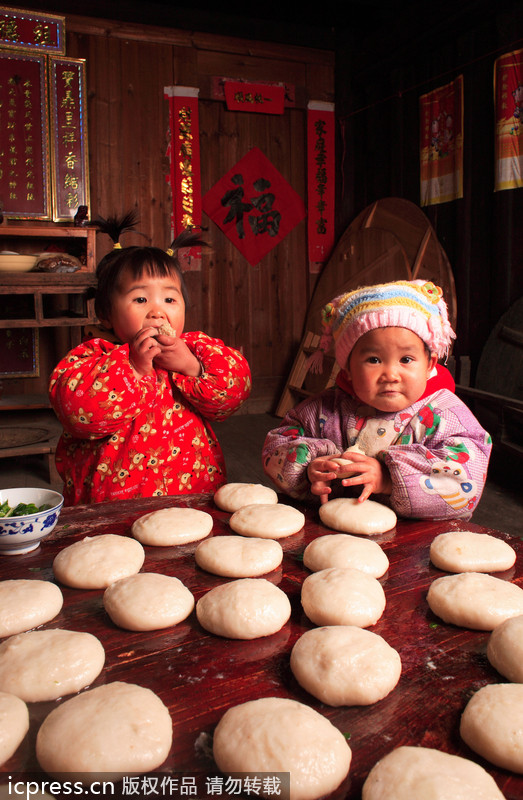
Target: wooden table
point(199, 675)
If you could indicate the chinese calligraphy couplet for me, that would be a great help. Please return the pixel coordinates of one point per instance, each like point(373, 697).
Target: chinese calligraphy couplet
point(24, 145)
point(31, 31)
point(441, 144)
point(184, 157)
point(508, 139)
point(68, 136)
point(321, 182)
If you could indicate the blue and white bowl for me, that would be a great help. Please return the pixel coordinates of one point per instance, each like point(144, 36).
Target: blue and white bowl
point(23, 534)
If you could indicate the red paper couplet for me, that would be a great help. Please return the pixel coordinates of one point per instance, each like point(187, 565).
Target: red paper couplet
point(321, 181)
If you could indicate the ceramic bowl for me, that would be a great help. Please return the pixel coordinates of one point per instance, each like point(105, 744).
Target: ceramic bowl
point(23, 534)
point(16, 262)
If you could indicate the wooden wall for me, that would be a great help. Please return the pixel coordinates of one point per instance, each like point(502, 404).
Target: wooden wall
point(259, 309)
point(379, 81)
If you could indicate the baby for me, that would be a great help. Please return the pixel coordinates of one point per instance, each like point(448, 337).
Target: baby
point(393, 416)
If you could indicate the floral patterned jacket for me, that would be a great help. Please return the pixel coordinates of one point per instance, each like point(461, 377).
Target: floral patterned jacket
point(436, 451)
point(125, 437)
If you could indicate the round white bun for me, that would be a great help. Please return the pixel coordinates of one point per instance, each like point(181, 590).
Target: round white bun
point(474, 600)
point(338, 596)
point(276, 734)
point(172, 526)
point(345, 665)
point(232, 496)
point(238, 556)
point(267, 521)
point(97, 561)
point(246, 608)
point(344, 550)
point(466, 551)
point(348, 515)
point(25, 604)
point(148, 602)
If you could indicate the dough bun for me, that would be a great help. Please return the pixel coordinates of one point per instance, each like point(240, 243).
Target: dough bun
point(48, 664)
point(267, 521)
point(409, 773)
point(474, 600)
point(232, 496)
point(348, 515)
point(238, 557)
point(14, 724)
point(339, 596)
point(276, 734)
point(344, 550)
point(114, 730)
point(244, 609)
point(172, 526)
point(97, 561)
point(25, 604)
point(505, 649)
point(466, 551)
point(148, 602)
point(492, 725)
point(345, 665)
point(166, 330)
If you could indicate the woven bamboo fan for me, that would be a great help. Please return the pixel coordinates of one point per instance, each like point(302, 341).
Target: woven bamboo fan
point(390, 240)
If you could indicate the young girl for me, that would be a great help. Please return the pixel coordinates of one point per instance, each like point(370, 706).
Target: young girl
point(392, 416)
point(134, 401)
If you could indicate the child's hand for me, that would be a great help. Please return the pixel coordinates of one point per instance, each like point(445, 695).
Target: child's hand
point(320, 472)
point(142, 350)
point(370, 472)
point(175, 356)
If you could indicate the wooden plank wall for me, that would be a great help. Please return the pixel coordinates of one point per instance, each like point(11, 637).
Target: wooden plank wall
point(259, 309)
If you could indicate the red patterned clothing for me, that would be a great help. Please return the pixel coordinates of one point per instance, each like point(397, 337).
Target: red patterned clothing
point(124, 437)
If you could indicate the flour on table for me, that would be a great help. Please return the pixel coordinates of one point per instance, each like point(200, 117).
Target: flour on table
point(148, 601)
point(47, 664)
point(232, 496)
point(105, 733)
point(342, 596)
point(238, 556)
point(172, 526)
point(505, 649)
point(344, 550)
point(474, 600)
point(466, 551)
point(14, 724)
point(348, 515)
point(97, 561)
point(25, 604)
point(246, 608)
point(276, 734)
point(413, 773)
point(492, 725)
point(345, 665)
point(267, 520)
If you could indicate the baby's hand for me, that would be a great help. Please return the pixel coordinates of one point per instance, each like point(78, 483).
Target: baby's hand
point(175, 356)
point(370, 472)
point(320, 472)
point(142, 350)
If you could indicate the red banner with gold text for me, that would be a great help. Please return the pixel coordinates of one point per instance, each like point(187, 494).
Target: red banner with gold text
point(184, 157)
point(321, 182)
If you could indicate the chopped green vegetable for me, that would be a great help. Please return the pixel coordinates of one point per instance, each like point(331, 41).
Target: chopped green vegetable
point(433, 625)
point(22, 509)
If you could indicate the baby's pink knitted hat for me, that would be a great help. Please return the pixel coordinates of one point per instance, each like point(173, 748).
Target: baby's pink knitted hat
point(416, 305)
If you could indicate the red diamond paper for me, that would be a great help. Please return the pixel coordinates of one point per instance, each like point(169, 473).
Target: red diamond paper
point(254, 206)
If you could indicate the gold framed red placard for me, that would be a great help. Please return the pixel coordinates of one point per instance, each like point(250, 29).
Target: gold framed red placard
point(29, 30)
point(70, 164)
point(24, 141)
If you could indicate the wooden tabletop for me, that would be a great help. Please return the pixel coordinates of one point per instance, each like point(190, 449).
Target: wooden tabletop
point(199, 675)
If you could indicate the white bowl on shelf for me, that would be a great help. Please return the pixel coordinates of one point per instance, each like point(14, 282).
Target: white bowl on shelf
point(16, 262)
point(24, 533)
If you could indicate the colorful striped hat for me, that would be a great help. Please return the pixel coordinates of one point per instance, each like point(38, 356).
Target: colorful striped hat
point(416, 305)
